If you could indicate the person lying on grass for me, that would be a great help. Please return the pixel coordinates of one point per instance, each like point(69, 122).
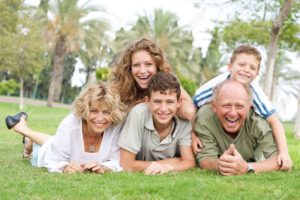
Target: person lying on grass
point(233, 135)
point(86, 140)
point(153, 139)
point(244, 67)
point(136, 65)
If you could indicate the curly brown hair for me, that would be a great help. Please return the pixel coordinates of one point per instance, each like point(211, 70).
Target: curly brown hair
point(123, 79)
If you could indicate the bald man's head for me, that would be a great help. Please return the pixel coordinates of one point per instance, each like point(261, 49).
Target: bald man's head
point(231, 103)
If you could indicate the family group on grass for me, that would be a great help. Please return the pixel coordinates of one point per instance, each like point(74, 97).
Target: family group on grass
point(144, 121)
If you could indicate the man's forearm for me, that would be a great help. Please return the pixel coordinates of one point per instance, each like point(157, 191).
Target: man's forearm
point(209, 163)
point(269, 164)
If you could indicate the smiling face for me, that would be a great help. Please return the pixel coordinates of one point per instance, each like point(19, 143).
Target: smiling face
point(98, 118)
point(244, 68)
point(232, 107)
point(163, 107)
point(143, 68)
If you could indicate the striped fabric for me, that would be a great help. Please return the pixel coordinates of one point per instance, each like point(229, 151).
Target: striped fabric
point(261, 103)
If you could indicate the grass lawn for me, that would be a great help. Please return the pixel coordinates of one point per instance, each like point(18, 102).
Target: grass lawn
point(18, 180)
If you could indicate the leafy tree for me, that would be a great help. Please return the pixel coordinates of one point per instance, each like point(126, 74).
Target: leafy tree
point(211, 62)
point(189, 85)
point(68, 92)
point(9, 87)
point(41, 86)
point(271, 24)
point(95, 51)
point(162, 26)
point(243, 32)
point(23, 56)
point(277, 26)
point(65, 31)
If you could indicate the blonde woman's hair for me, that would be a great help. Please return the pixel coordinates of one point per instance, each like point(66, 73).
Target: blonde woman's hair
point(123, 80)
point(105, 96)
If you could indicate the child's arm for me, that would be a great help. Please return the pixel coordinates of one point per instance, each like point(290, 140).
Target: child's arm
point(187, 108)
point(197, 145)
point(186, 161)
point(284, 159)
point(129, 163)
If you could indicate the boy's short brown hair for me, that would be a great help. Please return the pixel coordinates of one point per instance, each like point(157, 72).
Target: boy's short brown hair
point(163, 81)
point(245, 49)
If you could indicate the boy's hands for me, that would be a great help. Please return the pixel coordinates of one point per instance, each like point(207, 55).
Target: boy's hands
point(158, 168)
point(196, 143)
point(284, 161)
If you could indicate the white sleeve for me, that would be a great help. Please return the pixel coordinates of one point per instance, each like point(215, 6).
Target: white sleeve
point(58, 149)
point(113, 162)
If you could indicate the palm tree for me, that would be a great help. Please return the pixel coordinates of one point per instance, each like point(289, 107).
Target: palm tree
point(95, 51)
point(163, 27)
point(211, 62)
point(65, 31)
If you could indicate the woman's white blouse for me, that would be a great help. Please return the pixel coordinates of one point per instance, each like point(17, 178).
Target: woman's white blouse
point(67, 146)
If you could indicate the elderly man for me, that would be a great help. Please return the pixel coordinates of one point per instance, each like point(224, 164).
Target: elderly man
point(232, 134)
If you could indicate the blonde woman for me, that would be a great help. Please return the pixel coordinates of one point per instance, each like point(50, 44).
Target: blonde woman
point(86, 140)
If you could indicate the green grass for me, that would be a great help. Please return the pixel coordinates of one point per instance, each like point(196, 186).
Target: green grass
point(18, 180)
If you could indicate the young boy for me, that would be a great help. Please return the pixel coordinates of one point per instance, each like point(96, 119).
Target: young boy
point(243, 67)
point(153, 138)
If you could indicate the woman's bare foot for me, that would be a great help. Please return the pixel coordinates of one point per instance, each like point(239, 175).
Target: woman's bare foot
point(21, 126)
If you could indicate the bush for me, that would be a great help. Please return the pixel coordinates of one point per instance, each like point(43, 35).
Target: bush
point(102, 73)
point(189, 85)
point(10, 87)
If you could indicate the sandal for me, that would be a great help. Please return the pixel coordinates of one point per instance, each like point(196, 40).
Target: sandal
point(11, 121)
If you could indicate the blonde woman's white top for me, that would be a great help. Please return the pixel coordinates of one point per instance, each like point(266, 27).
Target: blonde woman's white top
point(67, 146)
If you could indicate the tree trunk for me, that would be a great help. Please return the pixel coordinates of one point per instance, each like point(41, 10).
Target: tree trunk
point(273, 88)
point(57, 73)
point(272, 49)
point(90, 76)
point(21, 105)
point(297, 122)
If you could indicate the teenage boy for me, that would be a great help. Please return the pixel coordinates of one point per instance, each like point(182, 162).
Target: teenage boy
point(153, 138)
point(234, 136)
point(243, 67)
